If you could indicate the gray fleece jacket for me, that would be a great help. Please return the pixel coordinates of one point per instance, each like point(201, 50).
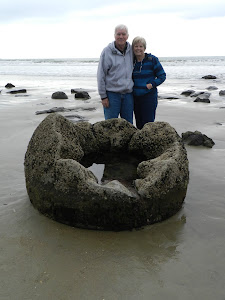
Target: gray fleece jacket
point(115, 71)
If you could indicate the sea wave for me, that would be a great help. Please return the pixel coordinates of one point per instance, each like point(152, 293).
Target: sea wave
point(175, 67)
point(49, 61)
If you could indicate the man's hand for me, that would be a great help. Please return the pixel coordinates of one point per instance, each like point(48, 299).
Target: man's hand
point(105, 102)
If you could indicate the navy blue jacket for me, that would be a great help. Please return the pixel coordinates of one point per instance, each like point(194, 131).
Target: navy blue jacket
point(149, 70)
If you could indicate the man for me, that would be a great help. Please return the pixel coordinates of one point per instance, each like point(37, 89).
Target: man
point(115, 77)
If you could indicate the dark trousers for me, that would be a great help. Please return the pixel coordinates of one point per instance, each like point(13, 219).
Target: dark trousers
point(145, 109)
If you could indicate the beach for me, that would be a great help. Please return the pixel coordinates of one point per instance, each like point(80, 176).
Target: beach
point(180, 258)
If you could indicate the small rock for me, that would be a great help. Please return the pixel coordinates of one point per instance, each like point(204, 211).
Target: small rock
point(63, 109)
point(9, 86)
point(204, 97)
point(51, 110)
point(78, 90)
point(198, 99)
point(212, 88)
point(74, 91)
point(197, 139)
point(209, 77)
point(168, 96)
point(17, 91)
point(82, 95)
point(59, 95)
point(21, 95)
point(172, 98)
point(222, 93)
point(188, 92)
point(196, 94)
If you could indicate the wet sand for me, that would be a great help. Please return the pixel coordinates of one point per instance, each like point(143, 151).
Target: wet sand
point(180, 258)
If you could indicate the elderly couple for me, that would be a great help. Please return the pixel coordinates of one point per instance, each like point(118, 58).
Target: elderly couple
point(128, 80)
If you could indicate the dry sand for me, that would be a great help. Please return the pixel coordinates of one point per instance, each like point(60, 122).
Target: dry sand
point(181, 258)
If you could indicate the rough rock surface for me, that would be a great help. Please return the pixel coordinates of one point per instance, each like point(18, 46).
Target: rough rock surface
point(63, 189)
point(196, 138)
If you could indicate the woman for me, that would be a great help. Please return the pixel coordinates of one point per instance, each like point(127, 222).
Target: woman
point(148, 73)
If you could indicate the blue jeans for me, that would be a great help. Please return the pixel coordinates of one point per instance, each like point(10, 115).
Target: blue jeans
point(120, 104)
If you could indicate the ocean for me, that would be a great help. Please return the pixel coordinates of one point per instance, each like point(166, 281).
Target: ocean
point(49, 75)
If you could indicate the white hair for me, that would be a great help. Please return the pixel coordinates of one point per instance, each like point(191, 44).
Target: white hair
point(121, 27)
point(139, 39)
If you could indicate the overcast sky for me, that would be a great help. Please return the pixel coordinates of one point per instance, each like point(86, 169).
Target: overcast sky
point(73, 29)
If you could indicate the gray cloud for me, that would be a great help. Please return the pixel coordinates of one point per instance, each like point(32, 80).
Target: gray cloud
point(53, 10)
point(20, 9)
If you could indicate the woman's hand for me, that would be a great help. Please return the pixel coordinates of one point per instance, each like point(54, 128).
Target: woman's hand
point(105, 102)
point(149, 86)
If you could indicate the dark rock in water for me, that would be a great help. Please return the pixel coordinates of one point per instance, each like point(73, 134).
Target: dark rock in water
point(222, 93)
point(9, 86)
point(21, 95)
point(82, 95)
point(204, 97)
point(172, 98)
point(78, 90)
point(63, 109)
point(196, 94)
point(74, 91)
point(88, 108)
point(59, 95)
point(212, 88)
point(17, 91)
point(196, 138)
point(60, 187)
point(203, 100)
point(188, 92)
point(168, 96)
point(209, 77)
point(51, 110)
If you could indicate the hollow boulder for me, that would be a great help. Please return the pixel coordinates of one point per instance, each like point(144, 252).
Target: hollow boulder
point(60, 187)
